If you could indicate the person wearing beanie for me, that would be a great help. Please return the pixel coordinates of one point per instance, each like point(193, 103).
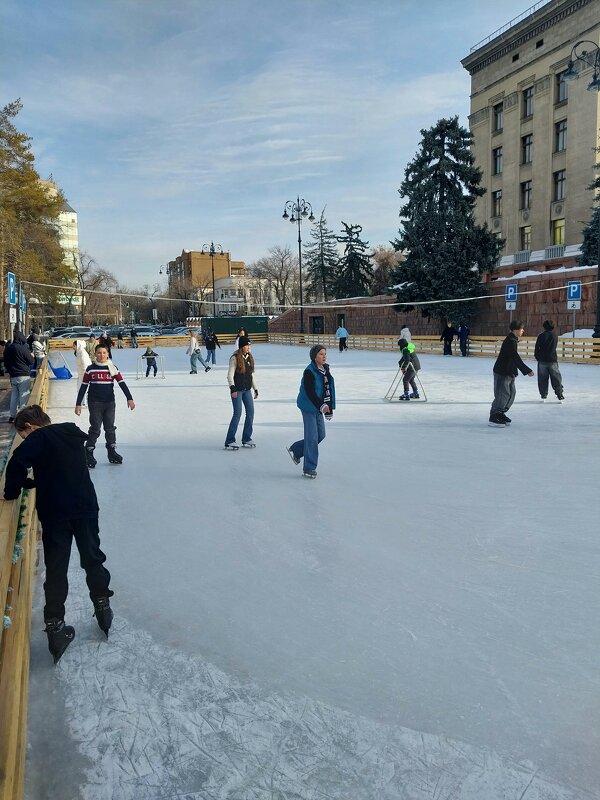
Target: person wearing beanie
point(545, 355)
point(316, 401)
point(242, 387)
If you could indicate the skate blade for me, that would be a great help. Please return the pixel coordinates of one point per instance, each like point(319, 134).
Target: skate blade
point(249, 446)
point(231, 447)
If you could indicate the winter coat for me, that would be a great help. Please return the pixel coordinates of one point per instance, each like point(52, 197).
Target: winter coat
point(90, 346)
point(448, 334)
point(509, 360)
point(239, 381)
point(18, 359)
point(409, 358)
point(463, 333)
point(312, 389)
point(545, 347)
point(193, 345)
point(82, 357)
point(39, 351)
point(342, 333)
point(211, 341)
point(405, 334)
point(62, 480)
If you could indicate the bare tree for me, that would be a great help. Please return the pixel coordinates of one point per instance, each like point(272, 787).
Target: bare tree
point(385, 259)
point(280, 270)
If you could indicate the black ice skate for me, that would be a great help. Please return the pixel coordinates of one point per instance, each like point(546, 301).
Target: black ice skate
point(249, 443)
point(310, 473)
point(60, 637)
point(89, 457)
point(292, 456)
point(404, 396)
point(113, 456)
point(415, 396)
point(497, 421)
point(232, 446)
point(103, 613)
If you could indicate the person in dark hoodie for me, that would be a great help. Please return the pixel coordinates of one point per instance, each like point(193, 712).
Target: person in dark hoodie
point(410, 365)
point(18, 361)
point(67, 508)
point(545, 355)
point(505, 372)
point(316, 401)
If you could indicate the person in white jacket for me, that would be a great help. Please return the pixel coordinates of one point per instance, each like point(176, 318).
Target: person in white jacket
point(195, 354)
point(83, 360)
point(39, 351)
point(405, 333)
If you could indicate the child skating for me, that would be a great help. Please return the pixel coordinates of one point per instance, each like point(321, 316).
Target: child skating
point(410, 365)
point(100, 377)
point(150, 357)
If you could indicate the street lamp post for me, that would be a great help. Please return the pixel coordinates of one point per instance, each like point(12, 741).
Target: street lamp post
point(300, 209)
point(212, 250)
point(584, 54)
point(160, 272)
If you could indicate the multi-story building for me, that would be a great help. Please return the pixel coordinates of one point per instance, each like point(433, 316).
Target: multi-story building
point(534, 133)
point(191, 273)
point(244, 294)
point(68, 233)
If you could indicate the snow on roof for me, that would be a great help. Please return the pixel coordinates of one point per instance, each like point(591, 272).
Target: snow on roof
point(528, 272)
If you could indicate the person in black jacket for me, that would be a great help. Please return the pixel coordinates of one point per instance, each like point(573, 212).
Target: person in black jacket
point(505, 372)
point(67, 509)
point(545, 355)
point(447, 337)
point(18, 361)
point(211, 343)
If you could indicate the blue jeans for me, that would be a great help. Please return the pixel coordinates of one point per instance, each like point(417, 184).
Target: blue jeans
point(21, 389)
point(314, 433)
point(194, 358)
point(243, 397)
point(210, 354)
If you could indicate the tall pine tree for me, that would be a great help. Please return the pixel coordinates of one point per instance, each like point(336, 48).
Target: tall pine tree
point(355, 274)
point(590, 249)
point(320, 260)
point(446, 249)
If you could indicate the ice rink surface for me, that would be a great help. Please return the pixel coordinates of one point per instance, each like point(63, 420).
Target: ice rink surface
point(419, 622)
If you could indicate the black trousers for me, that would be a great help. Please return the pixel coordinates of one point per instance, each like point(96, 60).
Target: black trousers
point(343, 345)
point(101, 414)
point(56, 539)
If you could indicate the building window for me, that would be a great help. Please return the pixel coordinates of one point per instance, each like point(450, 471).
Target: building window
point(527, 149)
point(560, 184)
point(497, 161)
point(497, 203)
point(558, 231)
point(525, 233)
point(525, 195)
point(560, 136)
point(528, 102)
point(498, 117)
point(561, 88)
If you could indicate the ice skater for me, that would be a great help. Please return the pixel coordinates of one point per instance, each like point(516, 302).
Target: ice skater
point(505, 372)
point(100, 377)
point(211, 343)
point(545, 355)
point(316, 401)
point(242, 387)
point(410, 365)
point(83, 361)
point(150, 357)
point(195, 354)
point(463, 338)
point(342, 337)
point(447, 337)
point(67, 508)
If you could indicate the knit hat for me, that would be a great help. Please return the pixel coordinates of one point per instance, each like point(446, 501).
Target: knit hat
point(548, 325)
point(402, 343)
point(315, 350)
point(243, 341)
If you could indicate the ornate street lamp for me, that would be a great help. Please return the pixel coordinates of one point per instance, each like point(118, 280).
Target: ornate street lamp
point(300, 210)
point(212, 250)
point(167, 271)
point(587, 54)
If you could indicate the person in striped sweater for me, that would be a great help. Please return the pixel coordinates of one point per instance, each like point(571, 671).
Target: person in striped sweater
point(100, 377)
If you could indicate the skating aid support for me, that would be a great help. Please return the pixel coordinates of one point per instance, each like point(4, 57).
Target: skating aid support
point(397, 388)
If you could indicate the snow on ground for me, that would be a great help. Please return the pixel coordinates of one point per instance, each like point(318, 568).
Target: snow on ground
point(421, 621)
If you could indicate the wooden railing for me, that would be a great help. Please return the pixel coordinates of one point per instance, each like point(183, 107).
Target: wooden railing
point(585, 351)
point(158, 341)
point(18, 536)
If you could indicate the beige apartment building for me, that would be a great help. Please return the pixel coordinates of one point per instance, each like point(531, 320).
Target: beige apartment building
point(534, 132)
point(191, 273)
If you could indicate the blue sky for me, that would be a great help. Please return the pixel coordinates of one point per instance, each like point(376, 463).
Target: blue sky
point(169, 124)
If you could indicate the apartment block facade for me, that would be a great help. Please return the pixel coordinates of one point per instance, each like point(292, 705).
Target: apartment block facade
point(535, 133)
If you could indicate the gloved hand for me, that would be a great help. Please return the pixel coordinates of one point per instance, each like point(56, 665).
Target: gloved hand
point(255, 393)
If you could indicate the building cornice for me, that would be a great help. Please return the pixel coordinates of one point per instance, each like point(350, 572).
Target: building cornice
point(522, 32)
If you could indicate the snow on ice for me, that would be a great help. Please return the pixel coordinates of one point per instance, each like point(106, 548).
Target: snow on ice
point(419, 622)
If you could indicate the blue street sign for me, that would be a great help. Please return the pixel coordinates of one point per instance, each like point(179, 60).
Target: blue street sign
point(22, 301)
point(574, 290)
point(511, 293)
point(12, 288)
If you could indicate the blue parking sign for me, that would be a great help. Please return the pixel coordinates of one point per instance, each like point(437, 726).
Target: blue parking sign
point(511, 293)
point(12, 288)
point(574, 290)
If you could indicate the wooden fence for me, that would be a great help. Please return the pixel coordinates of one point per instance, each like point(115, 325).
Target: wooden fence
point(18, 538)
point(585, 351)
point(157, 341)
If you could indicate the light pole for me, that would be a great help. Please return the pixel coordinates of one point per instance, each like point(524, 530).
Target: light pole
point(587, 54)
point(160, 272)
point(212, 250)
point(300, 209)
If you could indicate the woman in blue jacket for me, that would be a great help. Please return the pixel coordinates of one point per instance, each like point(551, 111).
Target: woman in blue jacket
point(316, 401)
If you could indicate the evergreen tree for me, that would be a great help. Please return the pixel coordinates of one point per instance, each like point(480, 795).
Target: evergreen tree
point(590, 249)
point(354, 274)
point(446, 250)
point(320, 260)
